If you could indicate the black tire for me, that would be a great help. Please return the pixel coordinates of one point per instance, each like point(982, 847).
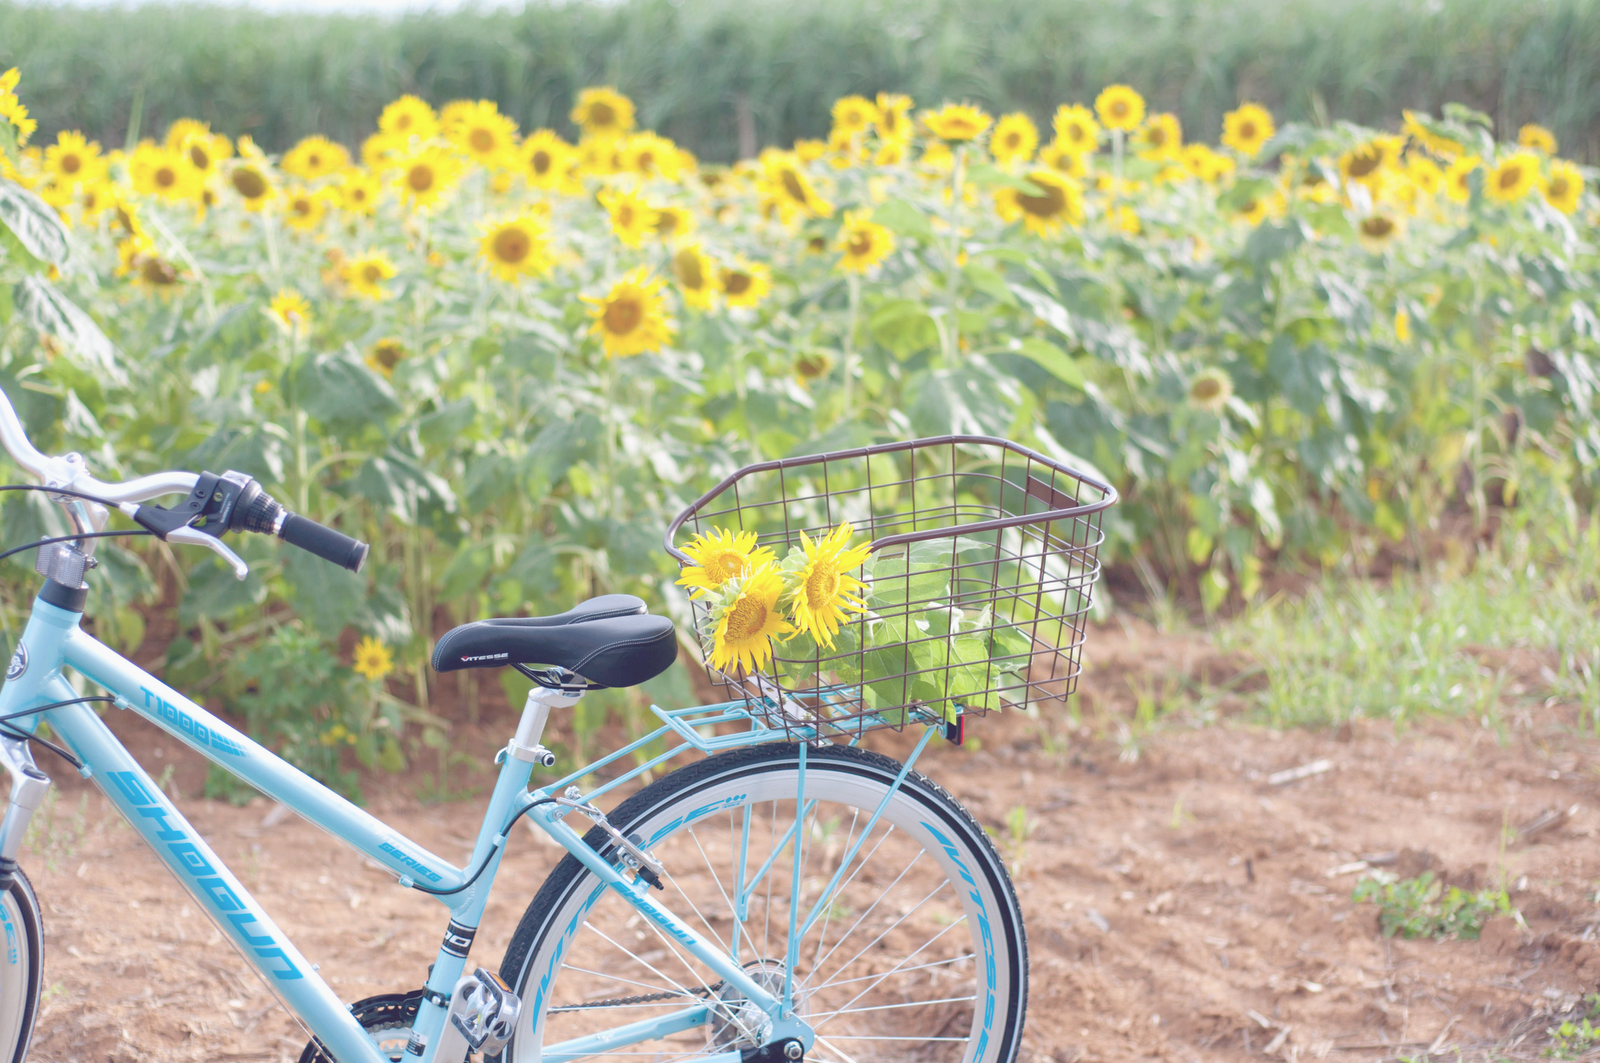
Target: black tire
point(671, 813)
point(21, 968)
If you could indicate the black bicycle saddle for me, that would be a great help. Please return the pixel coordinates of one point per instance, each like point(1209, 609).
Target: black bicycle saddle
point(611, 641)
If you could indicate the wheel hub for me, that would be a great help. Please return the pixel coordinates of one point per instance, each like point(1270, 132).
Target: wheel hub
point(737, 1022)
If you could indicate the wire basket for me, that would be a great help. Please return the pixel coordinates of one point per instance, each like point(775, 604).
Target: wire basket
point(982, 564)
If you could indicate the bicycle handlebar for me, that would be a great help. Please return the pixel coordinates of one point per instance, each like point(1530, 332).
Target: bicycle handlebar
point(231, 502)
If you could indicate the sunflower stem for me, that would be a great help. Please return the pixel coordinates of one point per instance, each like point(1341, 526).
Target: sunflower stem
point(952, 330)
point(854, 282)
point(1116, 156)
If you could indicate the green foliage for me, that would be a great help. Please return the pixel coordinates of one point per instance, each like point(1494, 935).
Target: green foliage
point(1422, 907)
point(709, 67)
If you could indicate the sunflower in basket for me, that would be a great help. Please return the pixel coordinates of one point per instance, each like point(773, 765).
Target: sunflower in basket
point(745, 619)
point(817, 585)
point(721, 555)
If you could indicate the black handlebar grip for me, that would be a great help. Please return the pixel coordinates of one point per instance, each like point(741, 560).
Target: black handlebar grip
point(326, 543)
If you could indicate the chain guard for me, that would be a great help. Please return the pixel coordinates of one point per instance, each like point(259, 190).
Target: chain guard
point(385, 1012)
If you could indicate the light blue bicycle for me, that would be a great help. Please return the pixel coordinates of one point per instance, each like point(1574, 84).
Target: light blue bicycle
point(789, 896)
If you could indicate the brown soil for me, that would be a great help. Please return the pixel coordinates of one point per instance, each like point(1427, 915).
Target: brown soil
point(1179, 903)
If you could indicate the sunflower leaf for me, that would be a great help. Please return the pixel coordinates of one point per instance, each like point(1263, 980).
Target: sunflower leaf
point(986, 176)
point(47, 310)
point(33, 223)
point(901, 217)
point(1052, 358)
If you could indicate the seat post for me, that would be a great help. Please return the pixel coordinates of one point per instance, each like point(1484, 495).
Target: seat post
point(530, 729)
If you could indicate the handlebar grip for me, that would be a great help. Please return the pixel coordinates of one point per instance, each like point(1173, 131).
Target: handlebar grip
point(326, 543)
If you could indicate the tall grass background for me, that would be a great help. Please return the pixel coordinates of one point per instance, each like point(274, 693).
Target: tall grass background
point(725, 77)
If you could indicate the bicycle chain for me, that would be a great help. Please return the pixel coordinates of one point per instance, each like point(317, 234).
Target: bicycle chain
point(647, 998)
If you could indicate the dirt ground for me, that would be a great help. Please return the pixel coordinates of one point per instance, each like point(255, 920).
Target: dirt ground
point(1181, 902)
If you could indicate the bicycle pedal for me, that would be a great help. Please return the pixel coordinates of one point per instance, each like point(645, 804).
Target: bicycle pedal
point(484, 1010)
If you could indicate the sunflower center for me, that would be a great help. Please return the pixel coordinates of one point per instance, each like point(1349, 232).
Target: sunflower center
point(822, 586)
point(481, 139)
point(71, 164)
point(746, 619)
point(301, 206)
point(512, 246)
point(541, 162)
point(735, 282)
point(1510, 177)
point(420, 178)
point(1206, 389)
point(1052, 202)
point(860, 243)
point(1377, 227)
point(624, 216)
point(372, 273)
point(1013, 139)
point(793, 186)
point(647, 161)
point(623, 316)
point(1076, 133)
point(1558, 187)
point(1363, 163)
point(1119, 109)
point(1247, 130)
point(158, 271)
point(602, 114)
point(200, 157)
point(667, 222)
point(686, 267)
point(1156, 137)
point(249, 184)
point(403, 123)
point(388, 353)
point(166, 177)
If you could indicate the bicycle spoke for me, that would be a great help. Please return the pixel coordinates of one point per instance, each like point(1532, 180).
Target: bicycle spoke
point(896, 923)
point(907, 970)
point(896, 967)
point(866, 913)
point(850, 837)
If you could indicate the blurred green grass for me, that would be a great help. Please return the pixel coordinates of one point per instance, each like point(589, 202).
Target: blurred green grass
point(725, 76)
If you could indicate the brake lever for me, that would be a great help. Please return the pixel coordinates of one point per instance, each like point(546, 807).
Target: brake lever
point(196, 537)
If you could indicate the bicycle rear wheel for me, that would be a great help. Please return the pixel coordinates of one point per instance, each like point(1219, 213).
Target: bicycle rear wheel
point(21, 965)
point(918, 951)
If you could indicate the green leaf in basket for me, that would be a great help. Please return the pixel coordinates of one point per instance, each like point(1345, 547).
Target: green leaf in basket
point(1010, 645)
point(895, 583)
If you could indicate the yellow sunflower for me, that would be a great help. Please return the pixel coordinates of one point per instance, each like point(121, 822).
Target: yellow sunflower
point(603, 112)
point(956, 123)
point(1513, 178)
point(1015, 138)
point(1119, 107)
point(1247, 128)
point(1206, 164)
point(290, 310)
point(315, 157)
point(632, 217)
point(425, 177)
point(386, 354)
point(517, 247)
point(1211, 389)
point(1456, 184)
point(167, 174)
point(1365, 163)
point(854, 115)
point(546, 159)
point(630, 318)
point(674, 221)
point(1416, 127)
point(484, 134)
point(1424, 174)
point(137, 257)
point(1058, 201)
point(864, 242)
point(250, 181)
point(304, 208)
point(366, 273)
point(1076, 129)
point(372, 659)
point(893, 117)
point(1062, 159)
point(696, 275)
point(207, 151)
point(746, 622)
point(786, 188)
point(98, 197)
point(1378, 230)
point(820, 591)
point(1538, 138)
point(720, 555)
point(409, 117)
point(358, 191)
point(1161, 138)
point(649, 155)
point(745, 283)
point(73, 161)
point(1564, 187)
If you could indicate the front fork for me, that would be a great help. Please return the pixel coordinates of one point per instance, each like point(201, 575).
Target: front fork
point(28, 787)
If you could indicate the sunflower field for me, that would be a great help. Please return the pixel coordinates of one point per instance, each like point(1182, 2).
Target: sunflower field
point(506, 359)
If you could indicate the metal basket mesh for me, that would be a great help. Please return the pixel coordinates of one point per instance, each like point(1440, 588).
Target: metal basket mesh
point(984, 559)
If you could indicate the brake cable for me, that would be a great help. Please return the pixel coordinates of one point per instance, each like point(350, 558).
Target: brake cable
point(14, 732)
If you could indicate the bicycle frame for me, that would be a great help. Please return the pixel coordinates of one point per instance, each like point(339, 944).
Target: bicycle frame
point(53, 639)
